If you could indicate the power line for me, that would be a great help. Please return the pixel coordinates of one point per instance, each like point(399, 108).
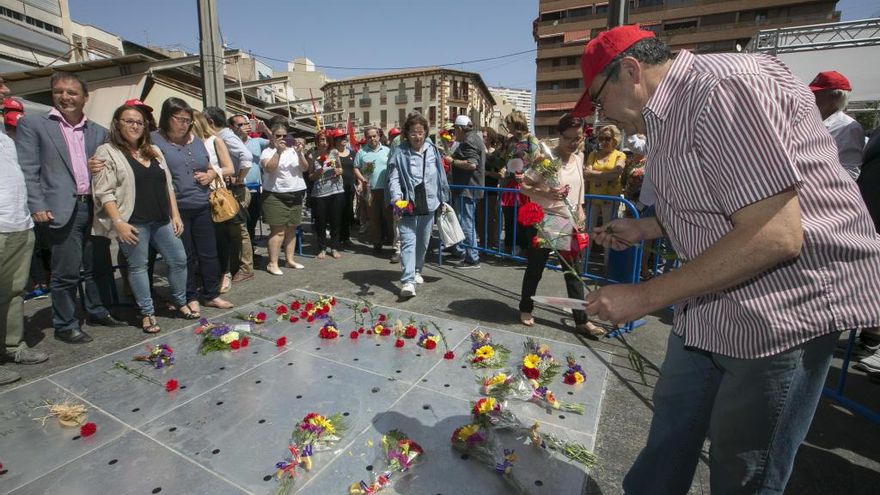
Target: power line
point(405, 67)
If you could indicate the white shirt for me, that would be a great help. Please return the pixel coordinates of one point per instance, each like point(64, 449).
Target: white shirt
point(287, 177)
point(14, 214)
point(850, 140)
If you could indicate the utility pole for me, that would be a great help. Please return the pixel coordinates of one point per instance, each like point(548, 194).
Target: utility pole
point(211, 54)
point(618, 13)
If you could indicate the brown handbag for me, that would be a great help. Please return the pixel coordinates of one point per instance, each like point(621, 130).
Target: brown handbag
point(224, 206)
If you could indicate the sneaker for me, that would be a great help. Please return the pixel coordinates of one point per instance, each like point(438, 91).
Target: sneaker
point(862, 347)
point(419, 279)
point(395, 258)
point(408, 290)
point(464, 265)
point(25, 355)
point(870, 364)
point(8, 376)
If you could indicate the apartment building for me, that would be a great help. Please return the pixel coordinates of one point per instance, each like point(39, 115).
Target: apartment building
point(703, 26)
point(386, 99)
point(520, 99)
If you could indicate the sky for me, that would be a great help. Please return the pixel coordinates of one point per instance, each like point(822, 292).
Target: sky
point(356, 33)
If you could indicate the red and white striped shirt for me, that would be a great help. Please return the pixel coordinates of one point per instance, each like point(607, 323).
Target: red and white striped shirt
point(728, 130)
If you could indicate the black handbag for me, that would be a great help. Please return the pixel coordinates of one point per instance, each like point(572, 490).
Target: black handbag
point(420, 195)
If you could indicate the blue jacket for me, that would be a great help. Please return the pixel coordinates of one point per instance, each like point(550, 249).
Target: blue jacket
point(401, 184)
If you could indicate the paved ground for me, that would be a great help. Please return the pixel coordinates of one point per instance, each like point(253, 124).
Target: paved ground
point(840, 455)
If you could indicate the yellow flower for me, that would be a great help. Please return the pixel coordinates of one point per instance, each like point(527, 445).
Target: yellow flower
point(485, 352)
point(578, 377)
point(323, 423)
point(531, 361)
point(486, 406)
point(229, 337)
point(467, 431)
point(545, 162)
point(378, 328)
point(401, 203)
point(497, 379)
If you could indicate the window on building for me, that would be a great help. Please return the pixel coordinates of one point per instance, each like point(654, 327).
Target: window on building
point(580, 12)
point(650, 3)
point(432, 116)
point(351, 92)
point(383, 121)
point(366, 118)
point(401, 117)
point(453, 113)
point(555, 62)
point(465, 92)
point(433, 89)
point(383, 94)
point(679, 25)
point(418, 90)
point(601, 9)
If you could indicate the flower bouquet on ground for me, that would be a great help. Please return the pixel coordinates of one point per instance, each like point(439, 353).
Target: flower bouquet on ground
point(503, 386)
point(569, 449)
point(160, 356)
point(368, 320)
point(492, 413)
point(256, 318)
point(538, 364)
point(575, 373)
point(400, 454)
point(486, 354)
point(481, 446)
point(328, 331)
point(308, 310)
point(429, 340)
point(314, 433)
point(220, 337)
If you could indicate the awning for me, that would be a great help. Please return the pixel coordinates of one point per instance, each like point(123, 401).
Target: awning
point(107, 95)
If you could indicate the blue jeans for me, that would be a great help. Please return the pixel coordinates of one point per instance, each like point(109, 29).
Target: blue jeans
point(161, 237)
point(756, 412)
point(415, 234)
point(467, 218)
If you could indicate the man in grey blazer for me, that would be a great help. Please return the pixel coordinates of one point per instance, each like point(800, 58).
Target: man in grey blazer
point(54, 150)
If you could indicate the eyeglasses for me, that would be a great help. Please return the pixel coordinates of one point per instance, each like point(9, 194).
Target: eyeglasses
point(182, 120)
point(132, 123)
point(241, 125)
point(595, 99)
point(604, 138)
point(280, 136)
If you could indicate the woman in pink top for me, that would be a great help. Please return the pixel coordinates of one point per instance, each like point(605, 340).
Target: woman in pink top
point(562, 203)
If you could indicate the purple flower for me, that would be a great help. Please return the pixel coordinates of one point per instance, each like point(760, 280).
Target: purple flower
point(203, 321)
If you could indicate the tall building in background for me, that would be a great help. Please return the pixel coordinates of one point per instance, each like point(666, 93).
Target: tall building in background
point(520, 99)
point(703, 26)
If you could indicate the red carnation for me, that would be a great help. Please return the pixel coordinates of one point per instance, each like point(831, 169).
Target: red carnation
point(171, 385)
point(261, 316)
point(281, 310)
point(311, 318)
point(245, 341)
point(353, 334)
point(333, 301)
point(295, 305)
point(361, 330)
point(303, 314)
point(365, 309)
point(294, 319)
point(382, 318)
point(281, 342)
point(477, 359)
point(430, 344)
point(310, 306)
point(385, 332)
point(234, 345)
point(88, 429)
point(398, 343)
point(531, 373)
point(530, 214)
point(410, 332)
point(536, 242)
point(569, 379)
point(449, 355)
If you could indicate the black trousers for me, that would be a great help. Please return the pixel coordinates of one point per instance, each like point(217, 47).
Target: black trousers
point(74, 248)
point(327, 212)
point(253, 214)
point(200, 243)
point(522, 240)
point(347, 214)
point(537, 258)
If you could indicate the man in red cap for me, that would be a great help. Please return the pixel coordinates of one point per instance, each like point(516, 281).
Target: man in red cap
point(831, 90)
point(12, 111)
point(778, 255)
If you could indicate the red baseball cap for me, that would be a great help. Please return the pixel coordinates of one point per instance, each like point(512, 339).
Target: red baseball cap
point(10, 117)
point(134, 102)
point(13, 105)
point(598, 53)
point(830, 80)
point(394, 131)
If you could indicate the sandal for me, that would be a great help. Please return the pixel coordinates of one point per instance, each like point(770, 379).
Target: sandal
point(590, 330)
point(188, 313)
point(320, 255)
point(335, 254)
point(527, 319)
point(149, 325)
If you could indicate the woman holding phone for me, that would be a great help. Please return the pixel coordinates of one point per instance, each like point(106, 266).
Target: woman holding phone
point(135, 203)
point(191, 175)
point(283, 192)
point(328, 194)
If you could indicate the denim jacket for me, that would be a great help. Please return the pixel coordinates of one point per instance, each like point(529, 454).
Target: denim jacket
point(401, 183)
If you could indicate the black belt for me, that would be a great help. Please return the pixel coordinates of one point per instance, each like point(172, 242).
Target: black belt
point(83, 198)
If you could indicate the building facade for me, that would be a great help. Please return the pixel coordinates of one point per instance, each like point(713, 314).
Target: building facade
point(386, 99)
point(703, 26)
point(519, 99)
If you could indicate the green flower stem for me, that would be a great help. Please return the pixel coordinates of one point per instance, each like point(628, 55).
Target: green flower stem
point(137, 373)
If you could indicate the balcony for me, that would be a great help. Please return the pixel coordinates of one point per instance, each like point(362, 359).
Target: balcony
point(561, 50)
point(558, 96)
point(401, 99)
point(365, 102)
point(559, 73)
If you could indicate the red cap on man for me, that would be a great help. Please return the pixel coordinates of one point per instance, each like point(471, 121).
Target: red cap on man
point(598, 53)
point(394, 131)
point(830, 79)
